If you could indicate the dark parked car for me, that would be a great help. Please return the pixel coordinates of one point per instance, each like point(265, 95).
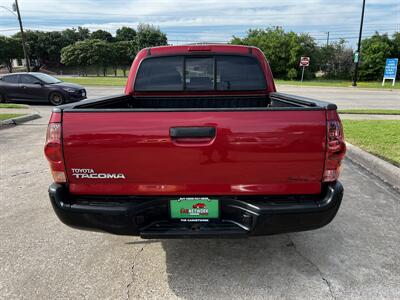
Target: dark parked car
point(39, 87)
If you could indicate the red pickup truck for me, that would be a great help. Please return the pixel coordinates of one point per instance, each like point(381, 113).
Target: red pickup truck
point(199, 145)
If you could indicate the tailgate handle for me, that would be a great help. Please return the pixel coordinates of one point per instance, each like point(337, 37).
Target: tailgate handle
point(192, 132)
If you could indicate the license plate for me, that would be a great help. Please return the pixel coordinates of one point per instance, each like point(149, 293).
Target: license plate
point(189, 209)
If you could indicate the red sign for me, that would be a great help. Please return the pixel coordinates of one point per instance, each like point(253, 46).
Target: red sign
point(304, 61)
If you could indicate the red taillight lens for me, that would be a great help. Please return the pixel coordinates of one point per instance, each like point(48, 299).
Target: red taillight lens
point(336, 147)
point(53, 143)
point(53, 152)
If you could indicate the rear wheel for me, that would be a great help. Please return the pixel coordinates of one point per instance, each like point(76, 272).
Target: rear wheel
point(56, 98)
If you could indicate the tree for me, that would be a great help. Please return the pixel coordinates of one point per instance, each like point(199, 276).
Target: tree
point(121, 55)
point(88, 53)
point(396, 49)
point(374, 52)
point(282, 49)
point(335, 60)
point(50, 45)
point(149, 36)
point(74, 35)
point(101, 54)
point(125, 34)
point(78, 54)
point(396, 44)
point(10, 48)
point(31, 38)
point(102, 35)
point(44, 48)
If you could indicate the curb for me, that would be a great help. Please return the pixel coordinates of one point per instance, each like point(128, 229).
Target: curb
point(19, 120)
point(384, 170)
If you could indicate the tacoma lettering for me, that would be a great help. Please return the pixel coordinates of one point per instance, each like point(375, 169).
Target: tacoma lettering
point(90, 174)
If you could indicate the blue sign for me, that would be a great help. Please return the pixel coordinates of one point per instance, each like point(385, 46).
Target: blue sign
point(391, 68)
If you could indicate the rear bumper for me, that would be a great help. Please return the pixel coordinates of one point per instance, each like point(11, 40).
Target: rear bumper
point(148, 217)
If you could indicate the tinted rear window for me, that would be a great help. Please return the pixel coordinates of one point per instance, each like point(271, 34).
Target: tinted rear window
point(10, 78)
point(235, 73)
point(160, 74)
point(199, 73)
point(221, 72)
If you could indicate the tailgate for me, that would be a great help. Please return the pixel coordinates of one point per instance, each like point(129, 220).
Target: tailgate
point(194, 153)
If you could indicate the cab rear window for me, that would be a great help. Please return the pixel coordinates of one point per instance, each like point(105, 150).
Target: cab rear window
point(203, 73)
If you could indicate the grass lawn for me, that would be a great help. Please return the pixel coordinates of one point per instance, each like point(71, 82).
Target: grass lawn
point(381, 138)
point(371, 111)
point(10, 105)
point(339, 83)
point(105, 81)
point(9, 116)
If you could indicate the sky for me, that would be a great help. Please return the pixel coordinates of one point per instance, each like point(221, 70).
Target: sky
point(187, 21)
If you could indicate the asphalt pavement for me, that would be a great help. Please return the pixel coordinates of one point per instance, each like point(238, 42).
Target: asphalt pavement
point(347, 98)
point(355, 257)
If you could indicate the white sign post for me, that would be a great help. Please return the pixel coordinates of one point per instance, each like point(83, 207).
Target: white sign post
point(304, 62)
point(390, 70)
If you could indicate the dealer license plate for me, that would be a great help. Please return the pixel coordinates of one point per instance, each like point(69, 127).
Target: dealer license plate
point(194, 208)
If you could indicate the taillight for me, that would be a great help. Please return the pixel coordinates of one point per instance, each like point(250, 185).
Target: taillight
point(53, 149)
point(335, 147)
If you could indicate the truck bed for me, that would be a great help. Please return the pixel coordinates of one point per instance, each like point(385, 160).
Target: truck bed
point(271, 101)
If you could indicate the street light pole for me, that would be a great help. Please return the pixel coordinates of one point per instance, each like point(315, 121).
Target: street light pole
point(22, 35)
point(357, 56)
point(327, 39)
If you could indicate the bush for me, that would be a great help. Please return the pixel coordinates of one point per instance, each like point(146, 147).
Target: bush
point(292, 74)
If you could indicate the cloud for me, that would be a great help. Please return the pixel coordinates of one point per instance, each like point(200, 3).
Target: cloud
point(207, 20)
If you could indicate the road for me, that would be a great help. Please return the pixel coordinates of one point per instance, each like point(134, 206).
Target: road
point(356, 256)
point(347, 98)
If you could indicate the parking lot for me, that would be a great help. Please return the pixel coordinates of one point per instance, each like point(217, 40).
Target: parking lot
point(356, 256)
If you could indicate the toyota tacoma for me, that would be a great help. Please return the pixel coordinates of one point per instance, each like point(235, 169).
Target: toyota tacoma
point(200, 145)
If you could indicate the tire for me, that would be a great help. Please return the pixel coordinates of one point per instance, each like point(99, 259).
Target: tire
point(2, 98)
point(56, 98)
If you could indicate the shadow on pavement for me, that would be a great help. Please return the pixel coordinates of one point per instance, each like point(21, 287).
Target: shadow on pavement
point(241, 268)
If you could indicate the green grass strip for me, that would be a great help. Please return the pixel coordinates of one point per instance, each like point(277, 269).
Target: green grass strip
point(339, 83)
point(379, 137)
point(9, 116)
point(104, 81)
point(371, 111)
point(11, 105)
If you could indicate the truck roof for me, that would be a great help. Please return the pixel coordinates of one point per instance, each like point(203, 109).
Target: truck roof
point(210, 48)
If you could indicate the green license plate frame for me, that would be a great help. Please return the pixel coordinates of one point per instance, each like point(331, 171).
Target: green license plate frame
point(194, 208)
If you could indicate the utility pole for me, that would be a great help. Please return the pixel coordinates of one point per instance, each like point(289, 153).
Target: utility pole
point(357, 54)
point(327, 39)
point(16, 8)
